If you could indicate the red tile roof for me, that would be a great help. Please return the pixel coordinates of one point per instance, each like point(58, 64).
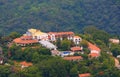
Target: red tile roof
point(27, 64)
point(61, 33)
point(76, 49)
point(93, 47)
point(76, 37)
point(26, 37)
point(92, 55)
point(25, 40)
point(73, 58)
point(85, 75)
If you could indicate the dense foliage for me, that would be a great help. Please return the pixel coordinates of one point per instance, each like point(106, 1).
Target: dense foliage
point(45, 65)
point(59, 15)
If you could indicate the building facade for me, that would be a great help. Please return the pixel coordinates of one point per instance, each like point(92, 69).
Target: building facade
point(53, 36)
point(77, 40)
point(25, 40)
point(37, 34)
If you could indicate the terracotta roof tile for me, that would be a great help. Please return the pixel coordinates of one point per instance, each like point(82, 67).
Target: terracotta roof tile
point(94, 55)
point(85, 75)
point(73, 58)
point(76, 48)
point(76, 37)
point(61, 33)
point(26, 37)
point(25, 40)
point(93, 47)
point(27, 64)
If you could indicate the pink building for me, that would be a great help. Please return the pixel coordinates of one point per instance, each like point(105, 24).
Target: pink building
point(115, 41)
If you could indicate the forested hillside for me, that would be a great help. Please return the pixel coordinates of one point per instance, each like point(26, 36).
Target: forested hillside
point(59, 15)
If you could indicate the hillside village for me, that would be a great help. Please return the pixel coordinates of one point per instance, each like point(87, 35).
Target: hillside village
point(66, 45)
point(33, 36)
point(59, 38)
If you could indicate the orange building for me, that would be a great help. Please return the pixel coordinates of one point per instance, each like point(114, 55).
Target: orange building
point(25, 40)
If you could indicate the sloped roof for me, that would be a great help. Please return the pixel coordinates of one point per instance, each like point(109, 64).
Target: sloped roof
point(94, 55)
point(85, 75)
point(73, 58)
point(61, 33)
point(27, 64)
point(36, 32)
point(76, 36)
point(76, 48)
point(26, 37)
point(93, 47)
point(22, 40)
point(33, 30)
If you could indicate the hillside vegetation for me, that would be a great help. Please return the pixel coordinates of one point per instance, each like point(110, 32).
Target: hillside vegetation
point(59, 15)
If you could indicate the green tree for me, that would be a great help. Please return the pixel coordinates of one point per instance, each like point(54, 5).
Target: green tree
point(16, 52)
point(35, 57)
point(4, 71)
point(13, 75)
point(74, 72)
point(115, 49)
point(97, 34)
point(14, 35)
point(84, 43)
point(58, 43)
point(44, 51)
point(54, 67)
point(65, 45)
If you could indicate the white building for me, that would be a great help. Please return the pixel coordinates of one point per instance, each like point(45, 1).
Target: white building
point(37, 34)
point(77, 40)
point(53, 36)
point(115, 41)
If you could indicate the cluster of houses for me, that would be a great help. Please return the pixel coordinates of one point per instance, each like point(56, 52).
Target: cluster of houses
point(33, 36)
